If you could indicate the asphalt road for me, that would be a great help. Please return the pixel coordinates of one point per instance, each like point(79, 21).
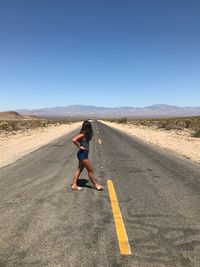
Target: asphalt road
point(44, 223)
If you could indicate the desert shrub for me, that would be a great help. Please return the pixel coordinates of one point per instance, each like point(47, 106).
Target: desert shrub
point(122, 120)
point(196, 133)
point(171, 126)
point(162, 125)
point(181, 124)
point(150, 123)
point(187, 123)
point(195, 124)
point(192, 123)
point(144, 123)
point(4, 126)
point(14, 126)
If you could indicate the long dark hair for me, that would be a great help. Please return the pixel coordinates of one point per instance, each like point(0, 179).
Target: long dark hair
point(86, 129)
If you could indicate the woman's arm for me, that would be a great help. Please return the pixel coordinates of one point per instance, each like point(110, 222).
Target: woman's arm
point(76, 139)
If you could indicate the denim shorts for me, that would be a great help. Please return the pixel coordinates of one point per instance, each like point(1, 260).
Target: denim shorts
point(82, 154)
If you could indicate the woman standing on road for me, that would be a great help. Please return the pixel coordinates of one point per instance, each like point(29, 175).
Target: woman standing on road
point(82, 142)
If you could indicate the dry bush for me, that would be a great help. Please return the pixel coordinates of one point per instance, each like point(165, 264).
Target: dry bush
point(122, 120)
point(25, 125)
point(196, 133)
point(191, 123)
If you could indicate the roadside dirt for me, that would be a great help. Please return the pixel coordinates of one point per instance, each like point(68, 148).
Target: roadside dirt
point(177, 141)
point(13, 147)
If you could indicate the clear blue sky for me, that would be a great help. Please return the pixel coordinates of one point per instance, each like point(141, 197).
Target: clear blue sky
point(105, 53)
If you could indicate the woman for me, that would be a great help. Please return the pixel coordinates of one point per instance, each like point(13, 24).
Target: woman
point(82, 142)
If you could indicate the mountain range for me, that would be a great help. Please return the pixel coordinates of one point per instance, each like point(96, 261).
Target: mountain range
point(157, 110)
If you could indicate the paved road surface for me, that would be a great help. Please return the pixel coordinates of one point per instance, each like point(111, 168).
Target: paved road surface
point(44, 223)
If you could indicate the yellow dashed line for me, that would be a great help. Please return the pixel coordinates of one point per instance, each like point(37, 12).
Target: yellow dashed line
point(119, 224)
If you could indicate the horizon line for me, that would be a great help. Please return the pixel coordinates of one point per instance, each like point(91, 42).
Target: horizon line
point(18, 109)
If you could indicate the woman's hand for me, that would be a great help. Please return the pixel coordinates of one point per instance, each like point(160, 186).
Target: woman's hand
point(76, 140)
point(82, 148)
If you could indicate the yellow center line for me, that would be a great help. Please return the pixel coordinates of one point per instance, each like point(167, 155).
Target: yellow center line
point(99, 141)
point(119, 224)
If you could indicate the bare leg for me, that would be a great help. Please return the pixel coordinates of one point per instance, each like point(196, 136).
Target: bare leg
point(77, 174)
point(88, 166)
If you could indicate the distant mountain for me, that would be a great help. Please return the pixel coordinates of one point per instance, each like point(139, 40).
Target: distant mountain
point(13, 115)
point(10, 115)
point(158, 110)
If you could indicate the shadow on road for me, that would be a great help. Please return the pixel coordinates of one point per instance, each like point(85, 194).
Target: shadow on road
point(83, 183)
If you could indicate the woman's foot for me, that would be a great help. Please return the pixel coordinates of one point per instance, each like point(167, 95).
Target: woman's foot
point(98, 187)
point(75, 187)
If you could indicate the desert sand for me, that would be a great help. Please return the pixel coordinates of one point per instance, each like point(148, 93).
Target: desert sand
point(13, 147)
point(177, 141)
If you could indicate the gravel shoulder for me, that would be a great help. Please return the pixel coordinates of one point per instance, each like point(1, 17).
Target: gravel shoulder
point(15, 146)
point(177, 141)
